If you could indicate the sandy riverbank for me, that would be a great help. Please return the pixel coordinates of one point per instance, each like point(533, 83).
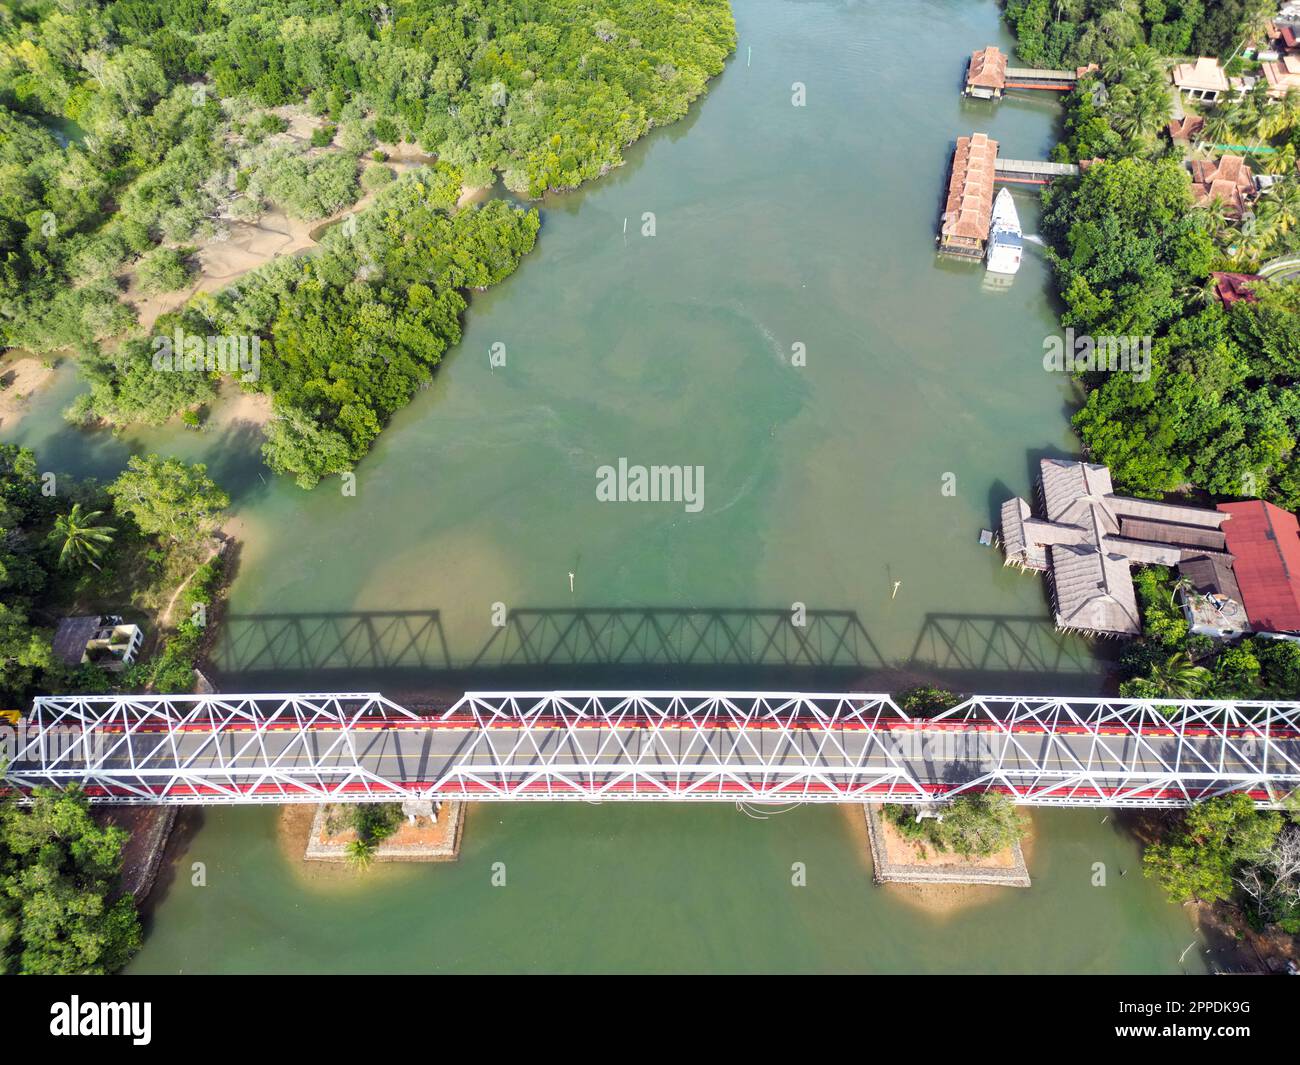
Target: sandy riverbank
point(23, 376)
point(938, 900)
point(236, 409)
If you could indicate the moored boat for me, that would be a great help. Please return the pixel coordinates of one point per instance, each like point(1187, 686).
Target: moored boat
point(1005, 243)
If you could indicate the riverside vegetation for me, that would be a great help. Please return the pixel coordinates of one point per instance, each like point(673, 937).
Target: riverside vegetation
point(130, 128)
point(80, 547)
point(1219, 413)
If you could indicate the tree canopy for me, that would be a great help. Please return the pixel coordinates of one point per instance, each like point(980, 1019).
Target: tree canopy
point(58, 872)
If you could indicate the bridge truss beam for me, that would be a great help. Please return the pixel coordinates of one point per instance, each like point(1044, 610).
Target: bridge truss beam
point(666, 746)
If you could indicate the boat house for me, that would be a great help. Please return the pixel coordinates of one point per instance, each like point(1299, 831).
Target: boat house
point(968, 209)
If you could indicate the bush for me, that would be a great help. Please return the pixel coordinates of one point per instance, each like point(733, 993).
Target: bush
point(377, 821)
point(924, 701)
point(164, 270)
point(58, 872)
point(376, 176)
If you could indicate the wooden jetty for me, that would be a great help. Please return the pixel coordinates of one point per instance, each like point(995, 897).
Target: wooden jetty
point(1031, 171)
point(988, 76)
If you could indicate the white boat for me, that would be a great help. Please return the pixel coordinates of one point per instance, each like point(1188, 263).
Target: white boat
point(1005, 241)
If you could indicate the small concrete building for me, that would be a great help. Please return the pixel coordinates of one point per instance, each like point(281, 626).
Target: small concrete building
point(101, 640)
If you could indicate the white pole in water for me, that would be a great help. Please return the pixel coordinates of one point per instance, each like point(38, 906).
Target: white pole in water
point(895, 591)
point(749, 55)
point(570, 582)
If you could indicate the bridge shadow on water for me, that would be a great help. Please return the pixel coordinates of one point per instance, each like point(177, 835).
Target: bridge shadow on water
point(405, 653)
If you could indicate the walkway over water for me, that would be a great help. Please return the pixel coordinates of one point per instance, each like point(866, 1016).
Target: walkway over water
point(1031, 171)
point(655, 745)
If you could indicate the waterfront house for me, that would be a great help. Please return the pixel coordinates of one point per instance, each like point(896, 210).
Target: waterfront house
point(101, 640)
point(1229, 180)
point(986, 73)
point(1090, 538)
point(1202, 80)
point(1265, 541)
point(968, 208)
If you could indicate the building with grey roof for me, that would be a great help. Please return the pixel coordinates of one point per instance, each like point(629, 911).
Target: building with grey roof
point(1090, 538)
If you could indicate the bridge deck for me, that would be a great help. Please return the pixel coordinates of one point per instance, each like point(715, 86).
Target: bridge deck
point(655, 745)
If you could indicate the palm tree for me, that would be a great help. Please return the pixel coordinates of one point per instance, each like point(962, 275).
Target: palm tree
point(81, 539)
point(1279, 208)
point(361, 852)
point(1177, 678)
point(1138, 112)
point(1281, 161)
point(1217, 128)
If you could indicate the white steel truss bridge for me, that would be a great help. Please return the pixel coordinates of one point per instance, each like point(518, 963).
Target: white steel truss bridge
point(652, 746)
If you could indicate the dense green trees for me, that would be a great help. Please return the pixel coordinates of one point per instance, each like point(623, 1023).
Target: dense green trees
point(1199, 859)
point(358, 327)
point(137, 123)
point(1218, 408)
point(167, 498)
point(58, 871)
point(1055, 33)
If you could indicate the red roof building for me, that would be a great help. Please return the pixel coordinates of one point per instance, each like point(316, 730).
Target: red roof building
point(1233, 287)
point(986, 74)
point(1266, 542)
point(1229, 180)
point(1183, 131)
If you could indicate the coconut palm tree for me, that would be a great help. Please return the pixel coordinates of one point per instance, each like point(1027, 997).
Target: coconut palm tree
point(1217, 128)
point(1138, 112)
point(80, 539)
point(1282, 161)
point(1251, 240)
point(1177, 678)
point(361, 853)
point(1182, 584)
point(1279, 208)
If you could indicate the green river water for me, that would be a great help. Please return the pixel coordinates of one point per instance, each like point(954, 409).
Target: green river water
point(775, 225)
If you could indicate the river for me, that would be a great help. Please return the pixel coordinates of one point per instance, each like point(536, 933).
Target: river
point(824, 485)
